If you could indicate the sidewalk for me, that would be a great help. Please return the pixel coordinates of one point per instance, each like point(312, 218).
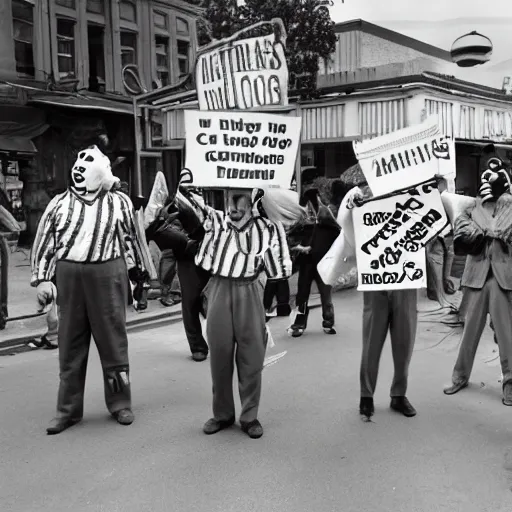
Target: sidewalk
point(22, 304)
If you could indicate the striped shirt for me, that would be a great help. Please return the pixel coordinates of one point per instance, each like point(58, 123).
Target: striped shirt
point(260, 246)
point(86, 232)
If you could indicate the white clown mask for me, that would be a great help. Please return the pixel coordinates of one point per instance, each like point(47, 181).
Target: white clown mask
point(92, 173)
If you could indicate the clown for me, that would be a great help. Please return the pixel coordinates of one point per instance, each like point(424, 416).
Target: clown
point(483, 232)
point(237, 249)
point(85, 240)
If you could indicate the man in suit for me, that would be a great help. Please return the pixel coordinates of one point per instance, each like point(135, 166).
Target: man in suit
point(483, 232)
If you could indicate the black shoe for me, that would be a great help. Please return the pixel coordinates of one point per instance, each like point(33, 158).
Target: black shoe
point(253, 429)
point(58, 425)
point(402, 405)
point(48, 345)
point(124, 417)
point(366, 407)
point(212, 426)
point(199, 356)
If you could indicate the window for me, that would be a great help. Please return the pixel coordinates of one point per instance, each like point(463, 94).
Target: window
point(66, 48)
point(96, 6)
point(183, 46)
point(160, 20)
point(70, 4)
point(23, 25)
point(95, 36)
point(128, 48)
point(128, 11)
point(162, 59)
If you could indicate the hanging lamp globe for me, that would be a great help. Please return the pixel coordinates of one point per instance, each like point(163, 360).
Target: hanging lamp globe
point(471, 50)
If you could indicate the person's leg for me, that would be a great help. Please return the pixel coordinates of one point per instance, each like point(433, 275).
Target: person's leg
point(167, 275)
point(477, 308)
point(327, 305)
point(449, 256)
point(403, 324)
point(376, 311)
point(500, 308)
point(251, 337)
point(50, 339)
point(283, 298)
point(268, 296)
point(74, 340)
point(220, 334)
point(305, 280)
point(193, 282)
point(106, 295)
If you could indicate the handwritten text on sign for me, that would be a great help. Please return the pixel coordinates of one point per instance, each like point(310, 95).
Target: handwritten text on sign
point(250, 73)
point(397, 165)
point(241, 150)
point(391, 234)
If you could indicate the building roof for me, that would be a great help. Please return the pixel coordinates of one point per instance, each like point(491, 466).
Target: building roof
point(394, 37)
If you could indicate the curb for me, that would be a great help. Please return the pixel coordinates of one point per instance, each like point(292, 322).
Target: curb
point(135, 324)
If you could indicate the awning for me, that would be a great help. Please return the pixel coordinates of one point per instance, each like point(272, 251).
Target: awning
point(17, 145)
point(83, 102)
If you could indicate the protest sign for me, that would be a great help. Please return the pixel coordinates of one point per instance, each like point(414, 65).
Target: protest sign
point(391, 236)
point(406, 157)
point(241, 150)
point(243, 74)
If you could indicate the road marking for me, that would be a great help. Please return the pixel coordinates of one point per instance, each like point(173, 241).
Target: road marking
point(269, 361)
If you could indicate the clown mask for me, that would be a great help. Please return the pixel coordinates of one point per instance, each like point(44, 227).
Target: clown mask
point(495, 180)
point(92, 173)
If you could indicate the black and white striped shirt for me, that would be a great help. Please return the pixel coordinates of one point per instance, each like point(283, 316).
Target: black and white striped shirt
point(75, 230)
point(259, 246)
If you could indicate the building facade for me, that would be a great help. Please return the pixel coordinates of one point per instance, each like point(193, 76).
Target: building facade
point(68, 70)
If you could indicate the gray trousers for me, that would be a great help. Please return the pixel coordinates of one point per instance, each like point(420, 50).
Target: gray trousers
point(236, 331)
point(92, 300)
point(394, 311)
point(493, 300)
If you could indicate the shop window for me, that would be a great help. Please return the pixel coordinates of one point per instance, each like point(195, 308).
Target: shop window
point(23, 35)
point(96, 47)
point(66, 48)
point(70, 4)
point(128, 48)
point(156, 134)
point(96, 6)
point(162, 59)
point(128, 11)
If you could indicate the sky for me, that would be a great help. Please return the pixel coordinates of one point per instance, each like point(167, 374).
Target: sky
point(437, 22)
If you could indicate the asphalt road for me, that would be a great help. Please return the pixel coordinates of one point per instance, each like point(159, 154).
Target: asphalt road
point(316, 454)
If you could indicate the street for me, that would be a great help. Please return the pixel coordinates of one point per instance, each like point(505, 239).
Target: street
point(316, 454)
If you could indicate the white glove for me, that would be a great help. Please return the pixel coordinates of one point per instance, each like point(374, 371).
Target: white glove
point(353, 196)
point(45, 294)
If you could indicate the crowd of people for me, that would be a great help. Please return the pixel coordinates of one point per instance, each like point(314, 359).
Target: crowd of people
point(88, 249)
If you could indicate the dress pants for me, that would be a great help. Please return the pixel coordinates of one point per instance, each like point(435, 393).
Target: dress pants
point(236, 331)
point(395, 311)
point(280, 289)
point(167, 269)
point(193, 281)
point(92, 299)
point(307, 274)
point(493, 300)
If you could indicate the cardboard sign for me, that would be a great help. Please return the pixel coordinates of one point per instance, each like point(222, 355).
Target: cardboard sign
point(243, 74)
point(406, 157)
point(391, 236)
point(241, 150)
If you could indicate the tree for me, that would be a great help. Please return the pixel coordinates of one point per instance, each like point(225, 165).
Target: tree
point(310, 32)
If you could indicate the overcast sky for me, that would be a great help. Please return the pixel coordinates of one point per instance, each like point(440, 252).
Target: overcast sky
point(373, 10)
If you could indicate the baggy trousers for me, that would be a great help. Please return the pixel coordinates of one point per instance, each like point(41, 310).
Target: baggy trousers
point(92, 299)
point(193, 281)
point(236, 331)
point(493, 300)
point(394, 311)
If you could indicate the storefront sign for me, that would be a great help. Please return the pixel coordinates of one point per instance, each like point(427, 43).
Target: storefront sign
point(406, 157)
point(497, 125)
point(391, 236)
point(241, 150)
point(243, 74)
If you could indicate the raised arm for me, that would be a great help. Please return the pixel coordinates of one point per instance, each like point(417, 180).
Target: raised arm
point(278, 264)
